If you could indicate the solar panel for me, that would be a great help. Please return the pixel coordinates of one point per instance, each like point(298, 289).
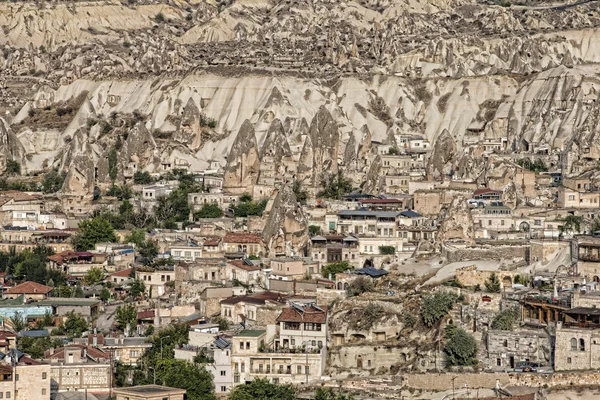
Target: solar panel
point(316, 307)
point(298, 307)
point(222, 343)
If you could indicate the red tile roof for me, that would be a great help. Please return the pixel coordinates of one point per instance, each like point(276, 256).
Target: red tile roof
point(145, 314)
point(7, 335)
point(93, 352)
point(242, 265)
point(99, 338)
point(211, 242)
point(124, 273)
point(17, 195)
point(310, 314)
point(29, 287)
point(235, 237)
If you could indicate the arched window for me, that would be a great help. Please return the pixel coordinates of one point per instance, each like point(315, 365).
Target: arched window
point(573, 344)
point(581, 345)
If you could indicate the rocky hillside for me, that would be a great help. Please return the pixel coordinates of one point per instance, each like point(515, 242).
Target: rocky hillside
point(322, 83)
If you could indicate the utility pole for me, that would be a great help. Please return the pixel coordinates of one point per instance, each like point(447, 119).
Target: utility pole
point(453, 391)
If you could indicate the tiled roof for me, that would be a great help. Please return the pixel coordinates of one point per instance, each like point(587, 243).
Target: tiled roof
point(59, 353)
point(145, 314)
point(303, 314)
point(486, 190)
point(29, 288)
point(211, 242)
point(124, 273)
point(235, 237)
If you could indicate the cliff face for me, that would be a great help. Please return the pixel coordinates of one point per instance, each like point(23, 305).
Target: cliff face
point(344, 81)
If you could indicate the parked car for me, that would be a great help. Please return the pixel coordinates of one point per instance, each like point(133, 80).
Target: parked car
point(526, 366)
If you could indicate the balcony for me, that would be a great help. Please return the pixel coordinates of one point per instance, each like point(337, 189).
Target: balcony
point(581, 325)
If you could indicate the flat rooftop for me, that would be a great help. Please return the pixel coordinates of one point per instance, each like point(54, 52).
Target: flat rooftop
point(250, 333)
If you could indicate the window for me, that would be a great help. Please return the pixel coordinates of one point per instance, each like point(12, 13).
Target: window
point(581, 345)
point(1, 395)
point(247, 345)
point(134, 354)
point(243, 368)
point(223, 373)
point(571, 197)
point(568, 360)
point(43, 391)
point(505, 344)
point(499, 362)
point(299, 369)
point(307, 370)
point(489, 222)
point(369, 363)
point(502, 222)
point(236, 379)
point(44, 375)
point(223, 388)
point(242, 346)
point(8, 395)
point(573, 344)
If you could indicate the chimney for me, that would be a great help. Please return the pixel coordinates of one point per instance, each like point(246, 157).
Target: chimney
point(95, 340)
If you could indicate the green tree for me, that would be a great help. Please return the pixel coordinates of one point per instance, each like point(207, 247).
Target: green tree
point(78, 292)
point(159, 17)
point(148, 250)
point(314, 230)
point(262, 389)
point(506, 319)
point(92, 231)
point(387, 250)
point(142, 178)
point(94, 276)
point(137, 237)
point(394, 151)
point(112, 164)
point(435, 307)
point(104, 294)
point(209, 210)
point(75, 325)
point(249, 208)
point(17, 321)
point(53, 181)
point(336, 186)
point(194, 378)
point(120, 192)
point(492, 284)
point(126, 316)
point(301, 194)
point(137, 288)
point(460, 348)
point(37, 346)
point(571, 223)
point(223, 323)
point(13, 167)
point(360, 285)
point(335, 268)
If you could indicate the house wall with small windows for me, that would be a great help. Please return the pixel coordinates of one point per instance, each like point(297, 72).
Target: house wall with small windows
point(186, 253)
point(576, 349)
point(156, 282)
point(506, 348)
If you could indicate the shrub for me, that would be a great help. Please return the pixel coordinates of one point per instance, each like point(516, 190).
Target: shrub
point(387, 250)
point(360, 285)
point(209, 211)
point(159, 17)
point(460, 348)
point(436, 306)
point(335, 268)
point(371, 313)
point(409, 320)
point(314, 230)
point(492, 284)
point(505, 319)
point(13, 167)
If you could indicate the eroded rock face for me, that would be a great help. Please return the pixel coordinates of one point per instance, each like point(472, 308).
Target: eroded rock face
point(243, 162)
point(10, 147)
point(275, 156)
point(324, 137)
point(444, 151)
point(190, 132)
point(286, 228)
point(457, 224)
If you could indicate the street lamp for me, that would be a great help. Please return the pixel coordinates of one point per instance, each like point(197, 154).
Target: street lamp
point(154, 370)
point(161, 339)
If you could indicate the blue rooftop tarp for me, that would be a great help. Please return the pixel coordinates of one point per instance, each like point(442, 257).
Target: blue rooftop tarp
point(372, 272)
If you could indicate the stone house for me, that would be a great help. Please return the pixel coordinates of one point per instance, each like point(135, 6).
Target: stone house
point(186, 252)
point(252, 359)
point(569, 198)
point(211, 297)
point(31, 291)
point(506, 348)
point(79, 368)
point(244, 271)
point(126, 350)
point(120, 277)
point(247, 243)
point(198, 200)
point(258, 308)
point(19, 208)
point(293, 268)
point(331, 248)
point(577, 348)
point(32, 380)
point(157, 282)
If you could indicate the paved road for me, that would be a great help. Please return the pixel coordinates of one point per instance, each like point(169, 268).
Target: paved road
point(107, 318)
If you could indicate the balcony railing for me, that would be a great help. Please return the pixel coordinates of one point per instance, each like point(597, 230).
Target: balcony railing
point(582, 325)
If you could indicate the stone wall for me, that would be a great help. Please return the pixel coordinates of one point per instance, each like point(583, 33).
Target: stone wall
point(541, 250)
point(498, 252)
point(443, 381)
point(557, 379)
point(471, 276)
